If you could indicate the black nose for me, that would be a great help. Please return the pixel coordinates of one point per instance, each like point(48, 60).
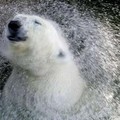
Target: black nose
point(15, 33)
point(14, 26)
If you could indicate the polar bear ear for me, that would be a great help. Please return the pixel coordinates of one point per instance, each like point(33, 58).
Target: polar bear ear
point(61, 54)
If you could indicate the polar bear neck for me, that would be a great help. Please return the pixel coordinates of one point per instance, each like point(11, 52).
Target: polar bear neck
point(60, 88)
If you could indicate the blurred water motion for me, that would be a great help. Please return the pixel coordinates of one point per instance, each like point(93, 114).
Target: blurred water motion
point(93, 32)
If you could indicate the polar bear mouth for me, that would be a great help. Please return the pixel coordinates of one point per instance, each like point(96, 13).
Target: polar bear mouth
point(16, 38)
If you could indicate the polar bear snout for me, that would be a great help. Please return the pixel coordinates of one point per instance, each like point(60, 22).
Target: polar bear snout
point(14, 26)
point(15, 31)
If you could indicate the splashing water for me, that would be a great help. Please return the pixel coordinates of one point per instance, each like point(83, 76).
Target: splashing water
point(94, 46)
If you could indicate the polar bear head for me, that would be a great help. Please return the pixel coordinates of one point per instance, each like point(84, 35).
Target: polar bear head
point(34, 43)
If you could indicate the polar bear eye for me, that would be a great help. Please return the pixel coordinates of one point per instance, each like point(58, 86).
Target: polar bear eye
point(36, 22)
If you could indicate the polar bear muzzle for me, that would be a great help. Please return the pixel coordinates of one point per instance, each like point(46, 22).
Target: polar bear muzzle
point(15, 32)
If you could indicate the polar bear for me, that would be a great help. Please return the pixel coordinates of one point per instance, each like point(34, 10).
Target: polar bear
point(45, 78)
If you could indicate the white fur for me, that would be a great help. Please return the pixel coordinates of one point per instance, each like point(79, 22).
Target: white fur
point(41, 80)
